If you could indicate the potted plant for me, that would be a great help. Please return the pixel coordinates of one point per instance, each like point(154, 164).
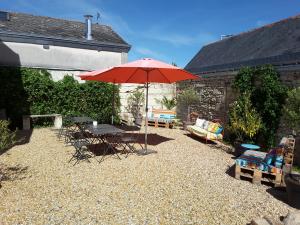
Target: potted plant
point(291, 114)
point(169, 104)
point(135, 103)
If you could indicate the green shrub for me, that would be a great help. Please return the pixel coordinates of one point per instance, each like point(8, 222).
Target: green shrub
point(291, 110)
point(168, 103)
point(244, 121)
point(135, 102)
point(7, 138)
point(32, 91)
point(267, 96)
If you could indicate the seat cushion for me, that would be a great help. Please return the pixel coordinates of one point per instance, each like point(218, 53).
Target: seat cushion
point(204, 133)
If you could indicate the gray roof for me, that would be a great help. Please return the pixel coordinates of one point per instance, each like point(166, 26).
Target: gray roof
point(36, 29)
point(277, 44)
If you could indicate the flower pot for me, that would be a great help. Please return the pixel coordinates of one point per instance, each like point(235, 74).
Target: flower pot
point(292, 182)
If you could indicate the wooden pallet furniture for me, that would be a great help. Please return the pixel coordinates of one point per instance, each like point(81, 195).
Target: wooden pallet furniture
point(204, 131)
point(257, 176)
point(162, 118)
point(275, 177)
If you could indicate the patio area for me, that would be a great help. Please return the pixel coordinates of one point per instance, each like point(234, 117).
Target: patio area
point(186, 182)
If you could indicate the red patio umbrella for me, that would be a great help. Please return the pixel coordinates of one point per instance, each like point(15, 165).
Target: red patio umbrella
point(143, 71)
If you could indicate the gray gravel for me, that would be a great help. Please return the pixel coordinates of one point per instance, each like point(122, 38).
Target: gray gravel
point(184, 183)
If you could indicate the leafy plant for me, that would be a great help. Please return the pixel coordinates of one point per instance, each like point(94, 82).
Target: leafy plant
point(168, 103)
point(267, 96)
point(244, 120)
point(32, 91)
point(135, 103)
point(291, 110)
point(7, 138)
point(187, 97)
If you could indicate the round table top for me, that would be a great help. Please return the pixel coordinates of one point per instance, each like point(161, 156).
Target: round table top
point(250, 146)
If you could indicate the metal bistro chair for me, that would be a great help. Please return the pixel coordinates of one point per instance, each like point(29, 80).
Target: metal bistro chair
point(130, 139)
point(81, 151)
point(62, 132)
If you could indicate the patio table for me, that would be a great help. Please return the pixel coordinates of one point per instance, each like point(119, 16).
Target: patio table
point(107, 134)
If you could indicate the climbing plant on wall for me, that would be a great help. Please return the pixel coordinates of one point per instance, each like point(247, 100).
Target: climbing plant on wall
point(32, 91)
point(267, 96)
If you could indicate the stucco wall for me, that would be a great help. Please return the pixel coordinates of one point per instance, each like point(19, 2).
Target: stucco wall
point(59, 58)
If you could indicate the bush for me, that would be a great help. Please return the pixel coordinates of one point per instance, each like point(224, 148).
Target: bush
point(135, 103)
point(7, 138)
point(244, 121)
point(291, 110)
point(169, 104)
point(267, 96)
point(34, 92)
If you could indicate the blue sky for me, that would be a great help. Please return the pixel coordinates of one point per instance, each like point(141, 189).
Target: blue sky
point(171, 31)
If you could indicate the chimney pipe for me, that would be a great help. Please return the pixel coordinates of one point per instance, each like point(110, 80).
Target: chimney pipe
point(88, 27)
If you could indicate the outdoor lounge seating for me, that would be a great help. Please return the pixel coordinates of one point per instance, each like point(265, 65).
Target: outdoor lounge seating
point(209, 130)
point(162, 118)
point(262, 166)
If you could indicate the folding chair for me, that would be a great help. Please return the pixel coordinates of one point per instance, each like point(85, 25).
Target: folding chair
point(130, 139)
point(81, 151)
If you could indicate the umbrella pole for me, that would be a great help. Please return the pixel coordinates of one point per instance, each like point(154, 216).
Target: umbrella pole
point(146, 151)
point(113, 105)
point(146, 118)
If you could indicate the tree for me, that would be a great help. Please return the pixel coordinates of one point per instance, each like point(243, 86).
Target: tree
point(291, 110)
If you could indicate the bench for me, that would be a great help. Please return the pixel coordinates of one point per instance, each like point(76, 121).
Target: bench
point(57, 120)
point(209, 130)
point(162, 118)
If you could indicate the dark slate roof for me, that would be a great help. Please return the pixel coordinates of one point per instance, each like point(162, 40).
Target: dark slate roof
point(59, 31)
point(277, 44)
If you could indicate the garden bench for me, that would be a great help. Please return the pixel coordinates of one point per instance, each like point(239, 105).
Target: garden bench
point(57, 120)
point(162, 118)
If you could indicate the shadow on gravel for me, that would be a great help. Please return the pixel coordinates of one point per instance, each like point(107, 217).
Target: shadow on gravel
point(279, 193)
point(22, 137)
point(11, 173)
point(202, 140)
point(231, 171)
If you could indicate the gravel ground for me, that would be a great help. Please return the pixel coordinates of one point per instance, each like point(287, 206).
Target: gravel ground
point(186, 182)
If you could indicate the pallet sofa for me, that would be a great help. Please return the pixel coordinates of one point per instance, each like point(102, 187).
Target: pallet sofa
point(209, 130)
point(266, 167)
point(162, 118)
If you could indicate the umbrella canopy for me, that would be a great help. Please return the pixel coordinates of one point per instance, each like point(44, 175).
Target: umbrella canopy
point(143, 71)
point(140, 72)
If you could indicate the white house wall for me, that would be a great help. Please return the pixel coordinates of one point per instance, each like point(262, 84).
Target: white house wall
point(56, 57)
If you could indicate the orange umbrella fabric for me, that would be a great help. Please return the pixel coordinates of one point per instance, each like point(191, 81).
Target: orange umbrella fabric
point(140, 71)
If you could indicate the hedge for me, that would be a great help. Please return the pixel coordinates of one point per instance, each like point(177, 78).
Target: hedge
point(32, 91)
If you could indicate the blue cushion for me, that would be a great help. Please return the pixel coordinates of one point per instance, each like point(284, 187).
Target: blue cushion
point(219, 131)
point(269, 159)
point(167, 116)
